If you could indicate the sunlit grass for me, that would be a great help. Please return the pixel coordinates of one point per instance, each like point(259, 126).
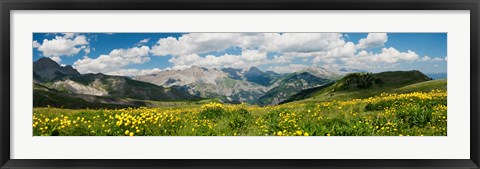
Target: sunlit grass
point(410, 114)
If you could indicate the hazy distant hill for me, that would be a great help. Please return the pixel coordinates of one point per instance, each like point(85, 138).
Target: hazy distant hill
point(435, 76)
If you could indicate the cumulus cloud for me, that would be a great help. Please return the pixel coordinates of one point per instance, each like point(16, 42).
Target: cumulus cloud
point(194, 43)
point(425, 58)
point(188, 49)
point(67, 45)
point(199, 43)
point(304, 42)
point(387, 58)
point(194, 49)
point(372, 40)
point(68, 35)
point(133, 72)
point(437, 59)
point(56, 59)
point(347, 50)
point(288, 68)
point(86, 51)
point(114, 61)
point(36, 44)
point(282, 59)
point(143, 41)
point(247, 58)
point(389, 55)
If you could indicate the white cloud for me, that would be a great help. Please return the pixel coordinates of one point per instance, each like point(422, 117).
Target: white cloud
point(134, 72)
point(68, 35)
point(345, 51)
point(389, 55)
point(186, 50)
point(67, 45)
point(304, 42)
point(143, 41)
point(372, 40)
point(56, 59)
point(247, 58)
point(199, 43)
point(194, 43)
point(387, 58)
point(288, 68)
point(282, 59)
point(87, 51)
point(327, 49)
point(446, 58)
point(437, 59)
point(114, 61)
point(425, 58)
point(35, 44)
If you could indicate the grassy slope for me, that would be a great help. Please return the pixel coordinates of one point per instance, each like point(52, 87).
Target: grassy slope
point(390, 82)
point(46, 97)
point(43, 97)
point(289, 86)
point(119, 86)
point(350, 118)
point(424, 86)
point(414, 115)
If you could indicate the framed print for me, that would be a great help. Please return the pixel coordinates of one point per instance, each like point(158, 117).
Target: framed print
point(234, 84)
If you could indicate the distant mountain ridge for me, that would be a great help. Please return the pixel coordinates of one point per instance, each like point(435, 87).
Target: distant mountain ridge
point(250, 85)
point(230, 85)
point(290, 85)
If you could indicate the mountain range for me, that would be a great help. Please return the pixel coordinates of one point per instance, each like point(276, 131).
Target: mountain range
point(242, 85)
point(63, 82)
point(230, 85)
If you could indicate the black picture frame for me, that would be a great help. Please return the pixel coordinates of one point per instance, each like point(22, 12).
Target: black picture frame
point(8, 5)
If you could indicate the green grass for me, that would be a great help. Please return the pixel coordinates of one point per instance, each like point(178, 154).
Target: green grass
point(427, 86)
point(362, 85)
point(412, 114)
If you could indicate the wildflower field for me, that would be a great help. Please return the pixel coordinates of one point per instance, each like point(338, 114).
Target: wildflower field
point(409, 114)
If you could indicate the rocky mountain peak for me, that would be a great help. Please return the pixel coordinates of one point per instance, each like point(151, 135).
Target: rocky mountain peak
point(254, 71)
point(323, 72)
point(47, 69)
point(45, 63)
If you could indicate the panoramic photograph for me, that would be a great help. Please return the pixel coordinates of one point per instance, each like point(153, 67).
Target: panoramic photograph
point(239, 84)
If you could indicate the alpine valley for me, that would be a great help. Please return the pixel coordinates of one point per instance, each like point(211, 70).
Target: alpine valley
point(64, 86)
point(238, 84)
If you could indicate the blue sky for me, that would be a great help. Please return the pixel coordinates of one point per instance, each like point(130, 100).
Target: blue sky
point(142, 53)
